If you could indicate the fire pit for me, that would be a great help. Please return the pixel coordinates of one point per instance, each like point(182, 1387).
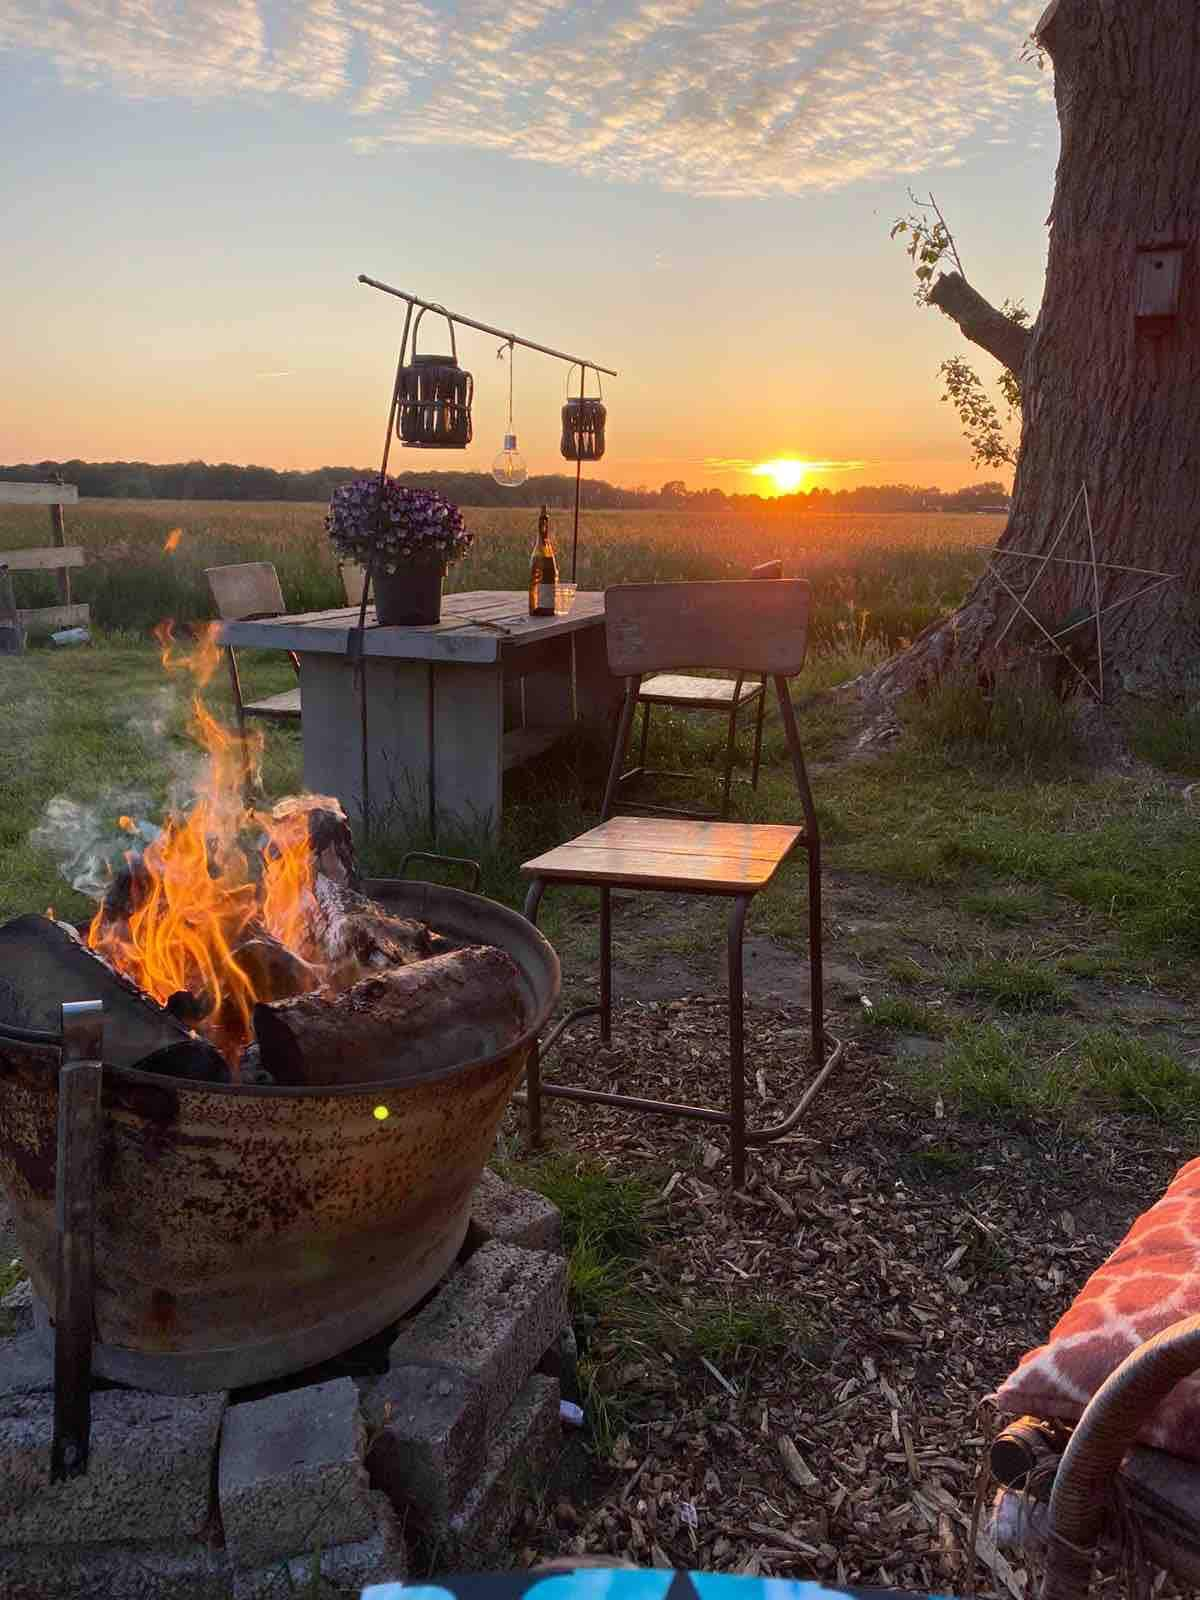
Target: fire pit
point(246, 1230)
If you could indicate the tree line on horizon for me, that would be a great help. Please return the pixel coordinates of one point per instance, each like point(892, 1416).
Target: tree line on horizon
point(200, 480)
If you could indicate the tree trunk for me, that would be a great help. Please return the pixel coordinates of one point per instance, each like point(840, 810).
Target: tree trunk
point(1110, 402)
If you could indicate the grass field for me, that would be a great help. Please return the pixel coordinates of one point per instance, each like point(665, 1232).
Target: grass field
point(881, 576)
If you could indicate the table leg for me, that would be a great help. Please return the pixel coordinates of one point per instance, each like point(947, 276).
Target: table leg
point(598, 694)
point(398, 703)
point(548, 702)
point(468, 758)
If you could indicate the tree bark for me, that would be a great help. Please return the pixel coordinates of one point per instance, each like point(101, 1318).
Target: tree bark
point(1109, 403)
point(981, 322)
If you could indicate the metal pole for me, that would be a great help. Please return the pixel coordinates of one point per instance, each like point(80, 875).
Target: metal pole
point(578, 469)
point(482, 327)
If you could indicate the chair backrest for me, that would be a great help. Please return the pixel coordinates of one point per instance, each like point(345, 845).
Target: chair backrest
point(741, 626)
point(250, 589)
point(353, 577)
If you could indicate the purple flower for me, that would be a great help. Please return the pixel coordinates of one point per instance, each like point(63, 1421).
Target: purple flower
point(399, 526)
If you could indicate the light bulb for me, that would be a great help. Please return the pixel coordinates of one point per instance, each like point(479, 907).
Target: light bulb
point(509, 467)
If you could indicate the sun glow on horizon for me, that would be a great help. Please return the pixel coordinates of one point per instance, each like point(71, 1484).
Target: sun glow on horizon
point(785, 473)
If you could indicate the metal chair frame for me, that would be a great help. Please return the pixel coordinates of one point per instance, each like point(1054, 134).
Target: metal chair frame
point(734, 1118)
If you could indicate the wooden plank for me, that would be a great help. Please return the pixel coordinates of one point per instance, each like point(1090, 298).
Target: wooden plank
point(662, 869)
point(397, 735)
point(43, 560)
point(739, 626)
point(764, 841)
point(38, 494)
point(49, 619)
point(328, 632)
point(283, 707)
point(468, 756)
point(12, 633)
point(246, 589)
point(79, 1114)
point(701, 694)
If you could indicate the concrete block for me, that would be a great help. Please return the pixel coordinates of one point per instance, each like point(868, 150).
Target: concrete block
point(494, 1320)
point(26, 1366)
point(344, 1571)
point(149, 1471)
point(502, 1213)
point(291, 1476)
point(137, 1572)
point(523, 1452)
point(427, 1439)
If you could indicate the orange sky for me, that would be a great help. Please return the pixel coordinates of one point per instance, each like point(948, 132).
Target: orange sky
point(706, 210)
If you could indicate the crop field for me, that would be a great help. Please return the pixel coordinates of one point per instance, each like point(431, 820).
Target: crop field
point(878, 577)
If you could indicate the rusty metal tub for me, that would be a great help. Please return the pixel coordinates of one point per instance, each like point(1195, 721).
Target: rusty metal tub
point(244, 1232)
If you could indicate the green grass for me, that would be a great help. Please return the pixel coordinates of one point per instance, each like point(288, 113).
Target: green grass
point(1008, 983)
point(1033, 1071)
point(899, 1013)
point(1169, 738)
point(1008, 724)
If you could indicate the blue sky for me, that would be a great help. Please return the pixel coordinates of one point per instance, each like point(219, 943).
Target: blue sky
point(696, 194)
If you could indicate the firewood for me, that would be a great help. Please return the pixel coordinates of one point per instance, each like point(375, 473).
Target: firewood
point(406, 1022)
point(329, 836)
point(276, 972)
point(350, 930)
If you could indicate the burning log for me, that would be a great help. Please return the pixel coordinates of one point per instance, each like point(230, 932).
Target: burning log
point(352, 931)
point(274, 971)
point(406, 1022)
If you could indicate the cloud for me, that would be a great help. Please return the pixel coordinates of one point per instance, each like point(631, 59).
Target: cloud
point(712, 97)
point(745, 464)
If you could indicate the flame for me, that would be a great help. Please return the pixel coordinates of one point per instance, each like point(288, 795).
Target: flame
point(193, 894)
point(171, 542)
point(127, 824)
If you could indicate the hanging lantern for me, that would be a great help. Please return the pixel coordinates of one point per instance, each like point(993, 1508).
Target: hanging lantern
point(583, 421)
point(434, 410)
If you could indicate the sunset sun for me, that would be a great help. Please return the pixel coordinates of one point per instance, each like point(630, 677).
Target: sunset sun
point(786, 474)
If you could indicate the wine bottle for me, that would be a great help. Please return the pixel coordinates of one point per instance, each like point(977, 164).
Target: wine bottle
point(543, 571)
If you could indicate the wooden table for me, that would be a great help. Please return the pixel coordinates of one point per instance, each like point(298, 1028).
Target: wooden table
point(450, 706)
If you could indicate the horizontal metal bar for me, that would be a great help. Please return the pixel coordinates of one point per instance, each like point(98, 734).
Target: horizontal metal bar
point(757, 1136)
point(633, 1102)
point(484, 327)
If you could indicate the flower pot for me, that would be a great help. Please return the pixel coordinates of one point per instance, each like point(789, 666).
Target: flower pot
point(411, 596)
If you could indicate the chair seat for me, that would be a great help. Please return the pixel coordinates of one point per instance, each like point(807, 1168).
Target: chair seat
point(280, 707)
point(670, 853)
point(702, 694)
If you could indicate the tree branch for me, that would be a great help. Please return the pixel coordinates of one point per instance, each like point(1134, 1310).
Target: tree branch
point(980, 321)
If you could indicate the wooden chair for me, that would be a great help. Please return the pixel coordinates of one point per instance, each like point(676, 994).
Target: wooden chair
point(250, 592)
point(744, 627)
point(730, 696)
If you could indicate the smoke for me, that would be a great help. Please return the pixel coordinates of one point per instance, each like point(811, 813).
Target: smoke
point(90, 841)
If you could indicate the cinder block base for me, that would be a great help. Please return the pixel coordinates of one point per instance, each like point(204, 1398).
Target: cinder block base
point(148, 1478)
point(426, 1427)
point(503, 1214)
point(291, 1476)
point(494, 1320)
point(344, 1572)
point(139, 1572)
point(523, 1451)
point(26, 1366)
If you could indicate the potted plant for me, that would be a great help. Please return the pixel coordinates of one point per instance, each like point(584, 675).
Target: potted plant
point(412, 534)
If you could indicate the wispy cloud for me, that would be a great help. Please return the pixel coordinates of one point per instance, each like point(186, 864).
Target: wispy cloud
point(716, 97)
